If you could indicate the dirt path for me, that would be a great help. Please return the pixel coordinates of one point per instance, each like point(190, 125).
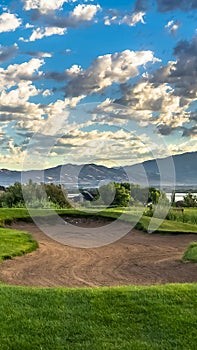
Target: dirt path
point(138, 258)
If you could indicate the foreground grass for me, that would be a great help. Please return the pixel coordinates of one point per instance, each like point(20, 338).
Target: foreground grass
point(14, 243)
point(139, 318)
point(191, 253)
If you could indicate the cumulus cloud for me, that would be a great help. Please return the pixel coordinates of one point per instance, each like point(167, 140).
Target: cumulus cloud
point(16, 102)
point(40, 33)
point(7, 52)
point(104, 71)
point(57, 25)
point(166, 96)
point(9, 22)
point(101, 145)
point(15, 73)
point(158, 105)
point(182, 73)
point(84, 13)
point(81, 14)
point(45, 6)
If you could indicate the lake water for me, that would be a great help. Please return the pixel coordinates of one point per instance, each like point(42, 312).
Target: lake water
point(178, 196)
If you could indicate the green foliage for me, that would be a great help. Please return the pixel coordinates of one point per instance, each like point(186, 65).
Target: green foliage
point(191, 253)
point(188, 216)
point(139, 194)
point(140, 318)
point(115, 194)
point(13, 196)
point(13, 243)
point(34, 195)
point(156, 195)
point(190, 200)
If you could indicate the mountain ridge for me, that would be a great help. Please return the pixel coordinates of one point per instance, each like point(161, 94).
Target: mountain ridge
point(145, 173)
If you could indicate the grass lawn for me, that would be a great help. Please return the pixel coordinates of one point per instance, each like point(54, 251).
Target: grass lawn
point(125, 318)
point(13, 243)
point(167, 226)
point(9, 214)
point(191, 253)
point(122, 318)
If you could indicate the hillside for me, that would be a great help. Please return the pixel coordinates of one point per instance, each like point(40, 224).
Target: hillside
point(92, 175)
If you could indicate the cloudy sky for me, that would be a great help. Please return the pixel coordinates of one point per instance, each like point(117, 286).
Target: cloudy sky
point(109, 81)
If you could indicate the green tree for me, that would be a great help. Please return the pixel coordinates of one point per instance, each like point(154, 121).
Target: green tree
point(115, 194)
point(34, 195)
point(190, 200)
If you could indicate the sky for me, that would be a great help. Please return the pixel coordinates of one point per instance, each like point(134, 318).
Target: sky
point(107, 82)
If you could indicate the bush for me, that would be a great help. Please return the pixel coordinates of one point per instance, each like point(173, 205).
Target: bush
point(35, 196)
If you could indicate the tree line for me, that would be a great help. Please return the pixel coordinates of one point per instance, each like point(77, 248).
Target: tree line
point(34, 195)
point(112, 194)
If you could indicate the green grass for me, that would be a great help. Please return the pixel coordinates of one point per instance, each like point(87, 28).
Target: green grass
point(8, 215)
point(191, 253)
point(188, 216)
point(167, 226)
point(124, 318)
point(14, 243)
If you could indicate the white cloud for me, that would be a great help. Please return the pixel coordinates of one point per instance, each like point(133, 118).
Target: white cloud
point(106, 70)
point(9, 22)
point(45, 6)
point(84, 13)
point(15, 73)
point(157, 105)
point(28, 25)
point(172, 27)
point(46, 93)
point(129, 19)
point(133, 19)
point(40, 33)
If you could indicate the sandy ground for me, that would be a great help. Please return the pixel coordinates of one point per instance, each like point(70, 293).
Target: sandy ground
point(137, 259)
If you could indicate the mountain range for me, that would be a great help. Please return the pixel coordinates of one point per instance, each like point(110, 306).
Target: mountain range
point(182, 168)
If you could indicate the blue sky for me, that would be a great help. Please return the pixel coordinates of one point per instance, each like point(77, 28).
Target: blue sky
point(111, 82)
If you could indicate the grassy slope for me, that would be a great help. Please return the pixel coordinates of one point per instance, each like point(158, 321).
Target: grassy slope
point(191, 253)
point(13, 243)
point(7, 215)
point(151, 318)
point(165, 226)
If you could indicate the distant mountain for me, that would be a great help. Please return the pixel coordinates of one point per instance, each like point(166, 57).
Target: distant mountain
point(91, 175)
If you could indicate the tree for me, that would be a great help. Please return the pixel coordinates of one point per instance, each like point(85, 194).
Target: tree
point(56, 195)
point(34, 195)
point(173, 198)
point(190, 200)
point(115, 194)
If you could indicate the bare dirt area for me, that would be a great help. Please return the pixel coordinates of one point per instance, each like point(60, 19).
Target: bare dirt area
point(138, 259)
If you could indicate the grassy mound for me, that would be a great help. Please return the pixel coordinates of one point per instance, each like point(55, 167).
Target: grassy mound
point(7, 215)
point(13, 243)
point(144, 318)
point(191, 253)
